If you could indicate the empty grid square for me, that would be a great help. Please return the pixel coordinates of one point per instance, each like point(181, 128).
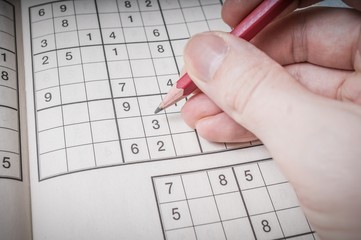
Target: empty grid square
point(138, 50)
point(283, 196)
point(212, 231)
point(92, 54)
point(73, 93)
point(193, 14)
point(51, 140)
point(9, 140)
point(177, 124)
point(87, 21)
point(53, 163)
point(212, 11)
point(238, 229)
point(146, 85)
point(108, 153)
point(95, 71)
point(293, 221)
point(71, 74)
point(98, 90)
point(186, 143)
point(119, 69)
point(271, 173)
point(208, 146)
point(173, 16)
point(257, 201)
point(80, 158)
point(230, 206)
point(7, 41)
point(78, 134)
point(109, 20)
point(181, 234)
point(197, 27)
point(101, 110)
point(165, 66)
point(8, 118)
point(66, 39)
point(134, 34)
point(131, 128)
point(75, 113)
point(42, 28)
point(142, 68)
point(84, 7)
point(204, 210)
point(177, 31)
point(149, 104)
point(196, 185)
point(103, 131)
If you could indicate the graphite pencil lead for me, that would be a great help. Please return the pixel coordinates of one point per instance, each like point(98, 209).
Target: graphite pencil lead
point(159, 109)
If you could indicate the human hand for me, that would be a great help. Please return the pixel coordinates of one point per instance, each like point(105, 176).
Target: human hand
point(297, 88)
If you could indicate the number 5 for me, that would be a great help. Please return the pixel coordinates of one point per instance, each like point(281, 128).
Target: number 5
point(6, 162)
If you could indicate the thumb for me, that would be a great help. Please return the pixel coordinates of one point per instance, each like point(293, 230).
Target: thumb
point(248, 85)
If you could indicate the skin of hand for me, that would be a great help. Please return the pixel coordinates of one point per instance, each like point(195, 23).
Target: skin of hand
point(297, 88)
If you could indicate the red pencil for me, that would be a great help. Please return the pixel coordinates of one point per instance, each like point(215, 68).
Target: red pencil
point(263, 14)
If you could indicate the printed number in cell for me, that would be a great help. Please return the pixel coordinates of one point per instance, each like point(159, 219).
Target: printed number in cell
point(169, 189)
point(148, 5)
point(48, 98)
point(161, 147)
point(45, 61)
point(135, 150)
point(6, 162)
point(128, 6)
point(132, 19)
point(175, 215)
point(65, 24)
point(266, 226)
point(7, 59)
point(157, 33)
point(89, 37)
point(222, 180)
point(160, 49)
point(122, 87)
point(126, 107)
point(249, 176)
point(112, 36)
point(62, 9)
point(41, 13)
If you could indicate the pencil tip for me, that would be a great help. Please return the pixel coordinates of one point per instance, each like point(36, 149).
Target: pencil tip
point(158, 110)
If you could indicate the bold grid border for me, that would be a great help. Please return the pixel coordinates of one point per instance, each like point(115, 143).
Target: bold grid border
point(251, 144)
point(18, 99)
point(312, 233)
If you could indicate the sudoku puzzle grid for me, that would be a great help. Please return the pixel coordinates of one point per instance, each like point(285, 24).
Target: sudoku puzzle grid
point(100, 70)
point(244, 201)
point(10, 149)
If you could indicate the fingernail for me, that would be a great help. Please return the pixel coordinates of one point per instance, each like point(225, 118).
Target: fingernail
point(204, 54)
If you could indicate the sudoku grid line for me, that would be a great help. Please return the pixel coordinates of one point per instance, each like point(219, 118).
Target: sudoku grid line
point(242, 201)
point(10, 143)
point(100, 68)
